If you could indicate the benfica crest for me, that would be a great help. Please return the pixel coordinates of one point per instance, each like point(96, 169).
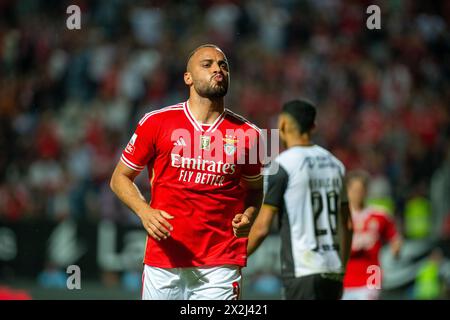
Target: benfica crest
point(229, 147)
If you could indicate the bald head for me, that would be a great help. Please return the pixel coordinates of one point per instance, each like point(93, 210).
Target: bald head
point(203, 46)
point(207, 72)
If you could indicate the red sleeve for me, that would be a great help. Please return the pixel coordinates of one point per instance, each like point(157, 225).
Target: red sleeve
point(141, 147)
point(252, 168)
point(389, 230)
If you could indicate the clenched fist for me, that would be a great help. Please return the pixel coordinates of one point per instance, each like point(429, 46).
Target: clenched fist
point(242, 222)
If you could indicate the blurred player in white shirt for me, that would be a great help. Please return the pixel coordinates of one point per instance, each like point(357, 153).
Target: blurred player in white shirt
point(307, 192)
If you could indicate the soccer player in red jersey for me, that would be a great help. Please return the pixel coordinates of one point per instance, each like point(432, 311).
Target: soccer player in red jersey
point(372, 228)
point(206, 186)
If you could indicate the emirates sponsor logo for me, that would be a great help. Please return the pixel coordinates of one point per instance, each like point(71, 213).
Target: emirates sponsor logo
point(224, 150)
point(200, 164)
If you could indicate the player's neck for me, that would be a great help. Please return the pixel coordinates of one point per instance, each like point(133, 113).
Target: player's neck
point(299, 141)
point(204, 110)
point(357, 208)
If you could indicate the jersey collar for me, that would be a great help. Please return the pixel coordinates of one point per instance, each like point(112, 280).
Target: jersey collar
point(198, 126)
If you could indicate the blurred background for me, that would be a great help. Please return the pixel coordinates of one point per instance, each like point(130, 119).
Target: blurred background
point(70, 100)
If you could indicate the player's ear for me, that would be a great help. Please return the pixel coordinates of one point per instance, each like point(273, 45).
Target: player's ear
point(280, 121)
point(187, 78)
point(282, 126)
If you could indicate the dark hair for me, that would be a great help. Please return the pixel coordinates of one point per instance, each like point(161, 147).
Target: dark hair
point(303, 112)
point(361, 175)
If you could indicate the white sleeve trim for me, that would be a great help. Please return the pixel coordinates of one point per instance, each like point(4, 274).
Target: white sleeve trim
point(131, 165)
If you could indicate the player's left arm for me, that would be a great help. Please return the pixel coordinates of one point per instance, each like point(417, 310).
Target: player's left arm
point(396, 246)
point(242, 222)
point(392, 235)
point(252, 182)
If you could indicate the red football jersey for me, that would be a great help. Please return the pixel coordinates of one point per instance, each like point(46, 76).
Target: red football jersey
point(195, 172)
point(371, 230)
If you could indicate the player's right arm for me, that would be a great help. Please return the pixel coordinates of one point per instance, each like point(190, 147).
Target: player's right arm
point(138, 153)
point(154, 221)
point(261, 227)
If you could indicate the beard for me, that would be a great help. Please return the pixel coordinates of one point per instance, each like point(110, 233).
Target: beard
point(211, 91)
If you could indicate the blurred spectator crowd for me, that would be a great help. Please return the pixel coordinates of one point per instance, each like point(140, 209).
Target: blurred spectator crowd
point(70, 99)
